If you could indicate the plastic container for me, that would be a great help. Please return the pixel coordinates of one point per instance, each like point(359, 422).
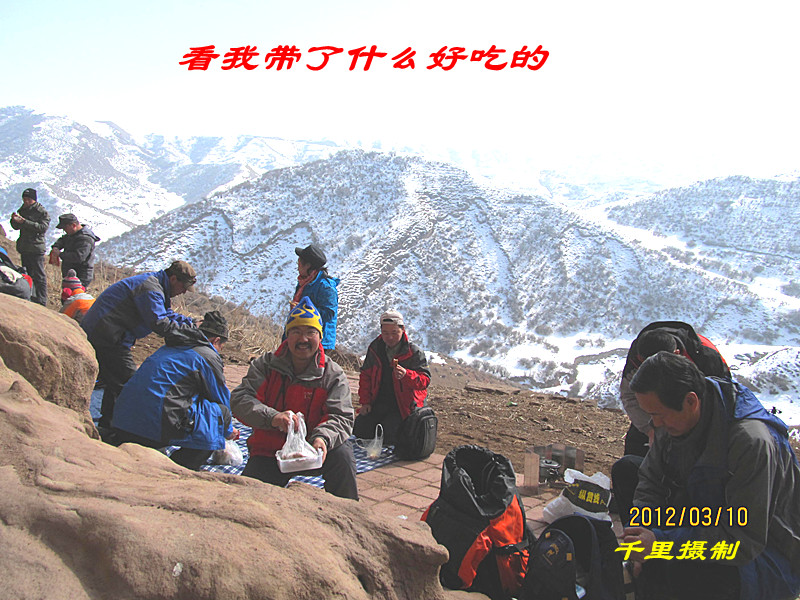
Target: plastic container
point(304, 463)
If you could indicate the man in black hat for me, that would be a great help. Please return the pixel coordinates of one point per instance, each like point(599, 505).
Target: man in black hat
point(32, 221)
point(178, 396)
point(75, 249)
point(313, 281)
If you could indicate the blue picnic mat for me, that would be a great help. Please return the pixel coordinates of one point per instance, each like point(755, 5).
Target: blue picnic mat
point(363, 464)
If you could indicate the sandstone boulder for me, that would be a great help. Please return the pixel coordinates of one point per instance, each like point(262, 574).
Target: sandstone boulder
point(81, 519)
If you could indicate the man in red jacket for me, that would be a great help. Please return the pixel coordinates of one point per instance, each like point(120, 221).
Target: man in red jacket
point(394, 380)
point(298, 378)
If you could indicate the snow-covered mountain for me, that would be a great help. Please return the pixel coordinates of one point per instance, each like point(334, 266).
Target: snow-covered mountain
point(515, 280)
point(548, 285)
point(112, 182)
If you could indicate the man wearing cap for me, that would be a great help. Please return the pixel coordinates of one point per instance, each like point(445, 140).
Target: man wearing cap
point(313, 281)
point(394, 380)
point(178, 396)
point(298, 378)
point(32, 221)
point(75, 249)
point(126, 311)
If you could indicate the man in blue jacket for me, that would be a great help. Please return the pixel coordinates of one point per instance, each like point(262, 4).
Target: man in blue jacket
point(715, 512)
point(128, 310)
point(178, 396)
point(313, 281)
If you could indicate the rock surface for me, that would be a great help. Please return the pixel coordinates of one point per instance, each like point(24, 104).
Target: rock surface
point(81, 519)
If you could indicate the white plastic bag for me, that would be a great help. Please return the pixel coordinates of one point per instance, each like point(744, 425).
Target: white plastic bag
point(373, 447)
point(584, 495)
point(297, 454)
point(231, 455)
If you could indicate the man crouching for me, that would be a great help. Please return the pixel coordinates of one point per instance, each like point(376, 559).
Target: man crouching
point(298, 378)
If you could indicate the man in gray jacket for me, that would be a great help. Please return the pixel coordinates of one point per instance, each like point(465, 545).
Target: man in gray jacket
point(32, 221)
point(715, 512)
point(298, 378)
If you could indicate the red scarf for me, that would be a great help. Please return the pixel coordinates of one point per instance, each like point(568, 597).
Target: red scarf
point(301, 284)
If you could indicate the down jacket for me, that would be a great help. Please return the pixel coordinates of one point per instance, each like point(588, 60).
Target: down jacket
point(77, 252)
point(131, 309)
point(178, 396)
point(410, 391)
point(322, 293)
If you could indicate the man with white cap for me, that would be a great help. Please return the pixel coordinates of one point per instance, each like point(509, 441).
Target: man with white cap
point(394, 380)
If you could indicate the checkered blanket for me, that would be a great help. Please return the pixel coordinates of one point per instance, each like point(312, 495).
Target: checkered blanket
point(363, 464)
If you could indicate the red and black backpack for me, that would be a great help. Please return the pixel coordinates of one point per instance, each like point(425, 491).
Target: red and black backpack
point(480, 519)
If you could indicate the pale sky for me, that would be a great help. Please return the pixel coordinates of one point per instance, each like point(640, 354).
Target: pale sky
point(706, 87)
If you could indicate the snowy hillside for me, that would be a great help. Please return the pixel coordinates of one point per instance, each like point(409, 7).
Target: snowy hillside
point(517, 281)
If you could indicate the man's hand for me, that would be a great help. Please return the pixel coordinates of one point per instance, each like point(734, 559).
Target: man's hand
point(365, 409)
point(399, 370)
point(17, 218)
point(282, 420)
point(320, 444)
point(639, 534)
point(234, 435)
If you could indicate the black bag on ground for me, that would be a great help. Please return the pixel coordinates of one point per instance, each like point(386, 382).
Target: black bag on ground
point(480, 519)
point(575, 550)
point(416, 436)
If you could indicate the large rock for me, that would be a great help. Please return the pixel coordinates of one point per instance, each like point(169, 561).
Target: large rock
point(50, 350)
point(81, 519)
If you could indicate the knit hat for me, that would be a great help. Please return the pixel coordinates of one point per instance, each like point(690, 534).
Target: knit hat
point(71, 285)
point(214, 325)
point(29, 193)
point(392, 316)
point(313, 255)
point(71, 280)
point(304, 314)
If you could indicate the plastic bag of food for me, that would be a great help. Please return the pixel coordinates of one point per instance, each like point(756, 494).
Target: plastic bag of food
point(297, 454)
point(231, 455)
point(373, 447)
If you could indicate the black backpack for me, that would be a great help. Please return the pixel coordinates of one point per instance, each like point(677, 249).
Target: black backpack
point(479, 517)
point(575, 551)
point(416, 437)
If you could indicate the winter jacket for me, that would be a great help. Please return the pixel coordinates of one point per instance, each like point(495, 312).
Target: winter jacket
point(77, 306)
point(32, 230)
point(77, 252)
point(411, 391)
point(178, 396)
point(737, 457)
point(131, 309)
point(322, 293)
point(12, 281)
point(321, 393)
point(693, 346)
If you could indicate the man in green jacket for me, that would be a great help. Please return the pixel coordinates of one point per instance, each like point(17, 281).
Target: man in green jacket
point(32, 221)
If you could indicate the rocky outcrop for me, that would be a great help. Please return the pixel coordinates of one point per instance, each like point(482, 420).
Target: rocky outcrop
point(81, 519)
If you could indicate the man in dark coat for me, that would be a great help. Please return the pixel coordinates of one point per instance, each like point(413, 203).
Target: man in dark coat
point(75, 249)
point(32, 221)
